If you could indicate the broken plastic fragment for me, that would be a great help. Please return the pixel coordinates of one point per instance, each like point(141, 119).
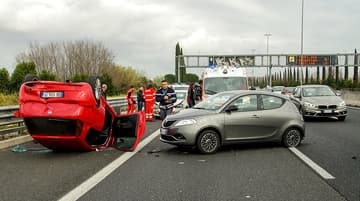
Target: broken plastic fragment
point(18, 149)
point(154, 151)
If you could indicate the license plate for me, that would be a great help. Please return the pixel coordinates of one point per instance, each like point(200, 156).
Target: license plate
point(327, 111)
point(163, 131)
point(52, 94)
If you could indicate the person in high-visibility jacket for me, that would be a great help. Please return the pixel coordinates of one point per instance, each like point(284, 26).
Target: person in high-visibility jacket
point(149, 96)
point(130, 100)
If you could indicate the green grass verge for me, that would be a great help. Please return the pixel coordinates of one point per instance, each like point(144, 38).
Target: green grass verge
point(8, 99)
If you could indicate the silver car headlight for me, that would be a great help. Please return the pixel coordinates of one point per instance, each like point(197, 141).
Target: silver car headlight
point(342, 104)
point(185, 122)
point(309, 105)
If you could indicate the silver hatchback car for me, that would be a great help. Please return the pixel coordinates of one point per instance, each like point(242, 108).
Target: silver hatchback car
point(233, 117)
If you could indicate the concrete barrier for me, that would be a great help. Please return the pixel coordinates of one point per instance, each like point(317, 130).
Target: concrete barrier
point(351, 98)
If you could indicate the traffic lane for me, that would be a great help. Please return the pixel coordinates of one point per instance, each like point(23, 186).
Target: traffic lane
point(255, 171)
point(335, 146)
point(41, 174)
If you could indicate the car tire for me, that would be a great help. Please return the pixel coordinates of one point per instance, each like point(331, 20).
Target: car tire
point(292, 137)
point(95, 84)
point(30, 77)
point(208, 142)
point(342, 118)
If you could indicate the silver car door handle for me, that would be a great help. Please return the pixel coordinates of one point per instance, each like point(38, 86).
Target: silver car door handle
point(255, 116)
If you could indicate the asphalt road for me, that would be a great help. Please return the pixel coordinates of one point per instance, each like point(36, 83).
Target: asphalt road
point(163, 172)
point(335, 146)
point(40, 174)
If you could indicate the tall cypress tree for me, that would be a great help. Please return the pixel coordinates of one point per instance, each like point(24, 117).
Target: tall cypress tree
point(182, 67)
point(356, 75)
point(177, 53)
point(337, 74)
point(318, 74)
point(298, 74)
point(346, 68)
point(294, 75)
point(323, 73)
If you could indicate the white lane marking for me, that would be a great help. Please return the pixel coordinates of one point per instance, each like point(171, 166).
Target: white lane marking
point(354, 108)
point(87, 185)
point(323, 173)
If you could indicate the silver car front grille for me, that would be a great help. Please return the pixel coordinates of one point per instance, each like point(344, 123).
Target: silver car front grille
point(327, 107)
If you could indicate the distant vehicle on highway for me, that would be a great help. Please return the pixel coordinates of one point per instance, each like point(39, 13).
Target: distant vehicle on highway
point(75, 116)
point(278, 89)
point(181, 96)
point(288, 91)
point(223, 78)
point(179, 87)
point(233, 117)
point(319, 101)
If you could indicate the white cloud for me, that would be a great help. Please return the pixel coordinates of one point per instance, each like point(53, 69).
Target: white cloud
point(143, 34)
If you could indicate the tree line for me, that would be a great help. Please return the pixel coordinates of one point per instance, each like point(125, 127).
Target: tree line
point(291, 76)
point(74, 61)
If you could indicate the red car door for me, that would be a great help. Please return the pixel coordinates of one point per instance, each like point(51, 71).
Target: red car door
point(127, 131)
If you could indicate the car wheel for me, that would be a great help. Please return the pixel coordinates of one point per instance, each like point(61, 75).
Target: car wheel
point(342, 118)
point(292, 137)
point(30, 77)
point(208, 142)
point(95, 84)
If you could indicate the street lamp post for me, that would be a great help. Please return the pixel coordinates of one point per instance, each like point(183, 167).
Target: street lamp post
point(268, 69)
point(302, 42)
point(253, 73)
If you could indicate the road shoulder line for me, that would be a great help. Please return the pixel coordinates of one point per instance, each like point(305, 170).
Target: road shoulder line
point(319, 170)
point(14, 141)
point(87, 185)
point(352, 107)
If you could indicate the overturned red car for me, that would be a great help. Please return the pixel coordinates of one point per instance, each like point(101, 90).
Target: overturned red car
point(75, 116)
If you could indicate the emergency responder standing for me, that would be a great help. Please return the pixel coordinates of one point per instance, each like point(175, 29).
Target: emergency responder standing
point(130, 100)
point(149, 95)
point(166, 97)
point(198, 92)
point(140, 99)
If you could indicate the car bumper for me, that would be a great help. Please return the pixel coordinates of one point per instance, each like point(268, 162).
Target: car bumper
point(175, 110)
point(183, 135)
point(307, 112)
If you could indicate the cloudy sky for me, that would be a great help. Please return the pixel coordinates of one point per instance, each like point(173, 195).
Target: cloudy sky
point(143, 33)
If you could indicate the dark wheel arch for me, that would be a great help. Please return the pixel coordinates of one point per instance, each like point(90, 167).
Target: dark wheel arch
point(341, 118)
point(30, 77)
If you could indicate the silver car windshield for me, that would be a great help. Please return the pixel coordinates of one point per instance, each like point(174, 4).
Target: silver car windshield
point(180, 95)
point(182, 88)
point(215, 85)
point(214, 102)
point(317, 91)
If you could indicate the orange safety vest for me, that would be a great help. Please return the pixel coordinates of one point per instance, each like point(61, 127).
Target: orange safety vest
point(130, 99)
point(149, 95)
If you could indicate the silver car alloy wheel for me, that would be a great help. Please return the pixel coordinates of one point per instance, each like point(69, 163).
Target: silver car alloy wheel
point(209, 142)
point(293, 138)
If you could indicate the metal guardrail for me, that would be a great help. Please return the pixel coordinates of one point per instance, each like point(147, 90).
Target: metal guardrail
point(10, 124)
